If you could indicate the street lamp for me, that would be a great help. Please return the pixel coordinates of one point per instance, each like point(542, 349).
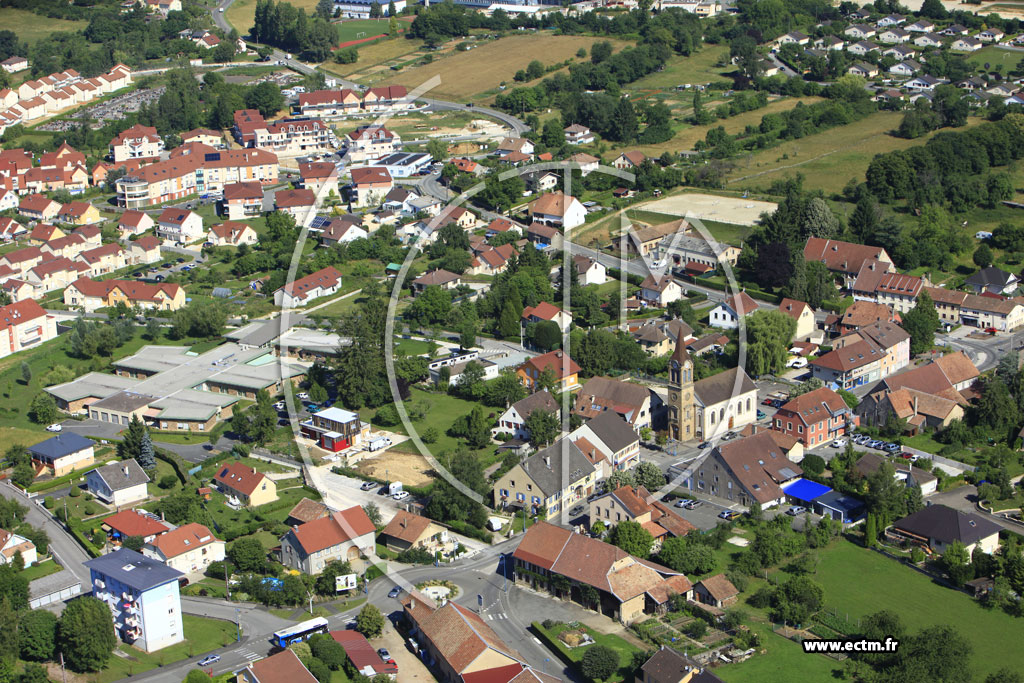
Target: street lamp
point(546, 660)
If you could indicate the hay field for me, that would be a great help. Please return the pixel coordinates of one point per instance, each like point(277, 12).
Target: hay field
point(734, 210)
point(242, 13)
point(828, 159)
point(464, 74)
point(31, 27)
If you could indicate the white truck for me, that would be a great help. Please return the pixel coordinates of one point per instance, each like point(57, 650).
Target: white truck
point(378, 443)
point(394, 487)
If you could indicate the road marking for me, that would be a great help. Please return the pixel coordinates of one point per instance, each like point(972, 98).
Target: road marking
point(538, 642)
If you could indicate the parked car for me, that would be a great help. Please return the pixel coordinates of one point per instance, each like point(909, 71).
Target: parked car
point(839, 443)
point(728, 514)
point(384, 654)
point(302, 396)
point(208, 660)
point(729, 436)
point(703, 445)
point(279, 405)
point(578, 510)
point(367, 485)
point(692, 504)
point(768, 401)
point(683, 503)
point(761, 415)
point(54, 428)
point(401, 495)
point(796, 510)
point(892, 447)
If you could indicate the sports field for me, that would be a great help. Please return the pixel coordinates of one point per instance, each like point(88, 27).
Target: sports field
point(31, 27)
point(465, 74)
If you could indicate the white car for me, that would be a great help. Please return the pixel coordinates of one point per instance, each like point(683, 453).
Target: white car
point(797, 363)
point(401, 495)
point(839, 443)
point(303, 396)
point(279, 405)
point(54, 428)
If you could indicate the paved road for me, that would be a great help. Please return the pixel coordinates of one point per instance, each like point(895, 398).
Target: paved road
point(965, 498)
point(220, 20)
point(63, 547)
point(984, 353)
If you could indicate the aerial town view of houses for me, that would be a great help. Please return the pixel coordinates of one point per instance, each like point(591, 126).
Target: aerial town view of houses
point(359, 341)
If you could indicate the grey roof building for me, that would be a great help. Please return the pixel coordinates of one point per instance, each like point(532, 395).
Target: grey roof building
point(60, 446)
point(613, 431)
point(940, 525)
point(121, 475)
point(132, 569)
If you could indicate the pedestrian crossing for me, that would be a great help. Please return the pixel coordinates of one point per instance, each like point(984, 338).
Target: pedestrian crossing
point(498, 616)
point(250, 655)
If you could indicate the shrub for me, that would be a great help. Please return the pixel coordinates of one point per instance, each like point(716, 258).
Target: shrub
point(75, 492)
point(90, 508)
point(599, 662)
point(48, 502)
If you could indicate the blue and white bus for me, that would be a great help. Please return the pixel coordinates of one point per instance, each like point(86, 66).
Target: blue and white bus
point(300, 631)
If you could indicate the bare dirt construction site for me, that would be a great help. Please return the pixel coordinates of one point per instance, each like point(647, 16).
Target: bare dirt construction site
point(735, 210)
point(411, 469)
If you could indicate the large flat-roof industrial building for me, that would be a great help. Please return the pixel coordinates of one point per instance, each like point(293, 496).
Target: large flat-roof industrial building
point(173, 388)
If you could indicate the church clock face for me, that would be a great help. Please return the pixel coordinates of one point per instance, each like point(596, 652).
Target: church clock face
point(674, 397)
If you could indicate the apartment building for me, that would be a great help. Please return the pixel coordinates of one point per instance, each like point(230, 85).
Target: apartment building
point(138, 142)
point(23, 325)
point(287, 137)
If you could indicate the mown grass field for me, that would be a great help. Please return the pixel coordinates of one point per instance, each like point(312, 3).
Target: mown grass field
point(701, 67)
point(784, 662)
point(860, 582)
point(465, 74)
point(242, 13)
point(375, 54)
point(354, 29)
point(31, 27)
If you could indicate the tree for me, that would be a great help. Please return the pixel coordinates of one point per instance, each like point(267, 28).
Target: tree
point(131, 443)
point(543, 427)
point(508, 321)
point(473, 427)
point(152, 329)
point(328, 650)
point(376, 12)
point(147, 455)
point(1005, 675)
point(248, 555)
point(369, 621)
point(26, 373)
point(37, 635)
point(686, 557)
point(812, 463)
point(325, 581)
point(266, 98)
point(870, 531)
point(321, 672)
point(982, 256)
point(599, 662)
point(633, 538)
point(197, 676)
point(317, 393)
point(43, 409)
point(373, 512)
point(547, 335)
point(768, 336)
point(648, 475)
point(920, 322)
point(505, 390)
point(957, 563)
point(324, 9)
point(86, 634)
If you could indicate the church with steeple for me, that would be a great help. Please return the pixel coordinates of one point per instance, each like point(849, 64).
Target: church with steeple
point(680, 394)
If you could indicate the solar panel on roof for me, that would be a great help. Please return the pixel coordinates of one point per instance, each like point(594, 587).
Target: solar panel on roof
point(211, 156)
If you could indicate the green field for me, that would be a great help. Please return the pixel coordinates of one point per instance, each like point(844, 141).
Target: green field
point(357, 29)
point(441, 411)
point(994, 57)
point(860, 582)
point(31, 27)
point(624, 649)
point(785, 662)
point(701, 67)
point(203, 635)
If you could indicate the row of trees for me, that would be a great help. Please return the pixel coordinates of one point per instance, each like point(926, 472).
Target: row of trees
point(283, 25)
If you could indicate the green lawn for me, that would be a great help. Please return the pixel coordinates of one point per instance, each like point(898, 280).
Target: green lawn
point(860, 582)
point(624, 649)
point(41, 569)
point(785, 662)
point(697, 68)
point(414, 347)
point(202, 635)
point(441, 411)
point(357, 29)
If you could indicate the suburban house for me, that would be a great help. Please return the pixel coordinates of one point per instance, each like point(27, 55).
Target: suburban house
point(513, 420)
point(344, 536)
point(862, 313)
point(340, 230)
point(627, 587)
point(986, 312)
point(12, 545)
point(463, 648)
point(636, 504)
point(436, 278)
point(179, 225)
point(660, 291)
point(24, 324)
point(578, 135)
point(557, 209)
point(628, 160)
point(63, 453)
point(491, 260)
point(632, 402)
point(246, 484)
point(368, 143)
point(608, 442)
point(546, 312)
point(803, 314)
point(406, 531)
point(653, 339)
point(564, 369)
point(323, 282)
point(335, 429)
point(993, 280)
point(132, 523)
point(816, 417)
point(892, 339)
point(143, 251)
point(509, 146)
point(242, 200)
point(727, 314)
point(231, 234)
point(935, 527)
point(589, 271)
point(306, 510)
point(920, 410)
point(747, 470)
point(190, 549)
point(133, 222)
point(299, 204)
point(548, 481)
point(143, 598)
point(118, 483)
point(905, 473)
point(89, 294)
point(78, 213)
point(670, 666)
point(321, 177)
point(283, 667)
point(899, 292)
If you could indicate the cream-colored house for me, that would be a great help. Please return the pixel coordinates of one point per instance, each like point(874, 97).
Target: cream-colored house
point(554, 478)
point(190, 549)
point(803, 314)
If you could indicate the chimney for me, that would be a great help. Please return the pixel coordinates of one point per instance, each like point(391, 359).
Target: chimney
point(547, 461)
point(126, 470)
point(915, 406)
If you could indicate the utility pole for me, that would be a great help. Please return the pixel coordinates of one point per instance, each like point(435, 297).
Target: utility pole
point(227, 584)
point(63, 675)
point(238, 625)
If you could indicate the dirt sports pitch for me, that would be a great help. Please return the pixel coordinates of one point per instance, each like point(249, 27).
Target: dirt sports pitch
point(711, 207)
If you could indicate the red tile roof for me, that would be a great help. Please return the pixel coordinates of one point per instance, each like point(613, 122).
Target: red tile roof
point(184, 538)
point(558, 361)
point(327, 532)
point(132, 523)
point(324, 278)
point(20, 312)
point(240, 478)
